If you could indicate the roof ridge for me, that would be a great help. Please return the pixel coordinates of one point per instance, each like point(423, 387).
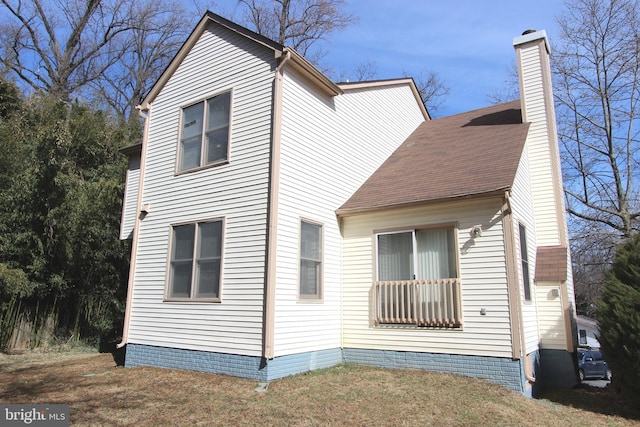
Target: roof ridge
point(475, 110)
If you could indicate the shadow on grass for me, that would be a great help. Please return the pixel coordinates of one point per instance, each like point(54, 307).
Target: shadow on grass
point(606, 401)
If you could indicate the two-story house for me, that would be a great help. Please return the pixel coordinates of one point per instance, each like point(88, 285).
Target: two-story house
point(282, 222)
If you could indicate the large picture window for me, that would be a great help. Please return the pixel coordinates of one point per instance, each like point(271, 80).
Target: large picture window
point(204, 133)
point(310, 260)
point(195, 264)
point(417, 278)
point(416, 255)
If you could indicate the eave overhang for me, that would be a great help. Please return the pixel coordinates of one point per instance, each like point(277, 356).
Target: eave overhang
point(341, 212)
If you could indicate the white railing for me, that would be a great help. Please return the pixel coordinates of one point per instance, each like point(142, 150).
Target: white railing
point(434, 303)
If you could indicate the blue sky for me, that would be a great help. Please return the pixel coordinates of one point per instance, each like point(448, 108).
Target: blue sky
point(469, 43)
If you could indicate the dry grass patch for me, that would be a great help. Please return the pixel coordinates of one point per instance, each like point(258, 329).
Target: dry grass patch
point(100, 393)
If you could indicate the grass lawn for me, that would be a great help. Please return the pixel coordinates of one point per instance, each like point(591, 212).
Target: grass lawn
point(100, 393)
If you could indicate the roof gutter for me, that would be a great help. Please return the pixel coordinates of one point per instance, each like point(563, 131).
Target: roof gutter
point(272, 215)
point(344, 212)
point(136, 227)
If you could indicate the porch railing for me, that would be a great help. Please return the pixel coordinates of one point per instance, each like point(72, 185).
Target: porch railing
point(434, 303)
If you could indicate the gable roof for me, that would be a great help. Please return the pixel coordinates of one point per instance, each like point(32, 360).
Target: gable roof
point(369, 84)
point(464, 155)
point(186, 47)
point(283, 54)
point(280, 51)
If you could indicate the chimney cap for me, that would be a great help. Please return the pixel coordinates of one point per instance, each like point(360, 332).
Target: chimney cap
point(529, 31)
point(527, 36)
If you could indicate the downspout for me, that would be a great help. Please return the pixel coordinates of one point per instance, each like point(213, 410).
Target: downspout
point(136, 227)
point(270, 286)
point(515, 306)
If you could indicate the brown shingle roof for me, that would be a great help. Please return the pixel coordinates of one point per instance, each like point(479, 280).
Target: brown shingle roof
point(551, 264)
point(467, 154)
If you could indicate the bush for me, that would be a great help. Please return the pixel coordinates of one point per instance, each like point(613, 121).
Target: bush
point(618, 314)
point(63, 269)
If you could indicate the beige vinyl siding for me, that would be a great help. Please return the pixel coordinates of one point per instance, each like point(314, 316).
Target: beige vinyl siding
point(329, 146)
point(547, 191)
point(130, 200)
point(237, 192)
point(541, 150)
point(552, 323)
point(482, 273)
point(523, 213)
point(552, 302)
point(569, 284)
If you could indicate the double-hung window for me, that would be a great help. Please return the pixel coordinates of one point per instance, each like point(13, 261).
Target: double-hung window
point(204, 133)
point(310, 260)
point(417, 278)
point(195, 263)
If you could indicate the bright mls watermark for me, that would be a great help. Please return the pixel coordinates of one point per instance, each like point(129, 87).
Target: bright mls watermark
point(36, 415)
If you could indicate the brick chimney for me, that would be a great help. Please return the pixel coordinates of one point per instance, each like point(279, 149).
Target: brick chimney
point(536, 97)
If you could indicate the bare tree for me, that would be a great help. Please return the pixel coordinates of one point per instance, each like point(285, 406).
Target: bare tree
point(363, 71)
point(367, 70)
point(510, 88)
point(59, 46)
point(110, 52)
point(596, 70)
point(433, 90)
point(431, 87)
point(299, 24)
point(158, 30)
point(592, 249)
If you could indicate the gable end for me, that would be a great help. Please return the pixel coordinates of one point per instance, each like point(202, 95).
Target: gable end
point(208, 18)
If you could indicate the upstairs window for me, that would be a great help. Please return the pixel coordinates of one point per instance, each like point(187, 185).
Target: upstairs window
point(196, 255)
point(310, 260)
point(204, 133)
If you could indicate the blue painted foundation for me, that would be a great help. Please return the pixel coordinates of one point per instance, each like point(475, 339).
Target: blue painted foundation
point(503, 371)
point(192, 360)
point(500, 370)
point(231, 364)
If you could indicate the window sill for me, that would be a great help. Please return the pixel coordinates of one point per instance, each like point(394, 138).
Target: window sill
point(199, 168)
point(419, 328)
point(196, 300)
point(310, 300)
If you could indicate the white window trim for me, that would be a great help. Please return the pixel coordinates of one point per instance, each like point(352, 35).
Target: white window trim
point(204, 99)
point(167, 286)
